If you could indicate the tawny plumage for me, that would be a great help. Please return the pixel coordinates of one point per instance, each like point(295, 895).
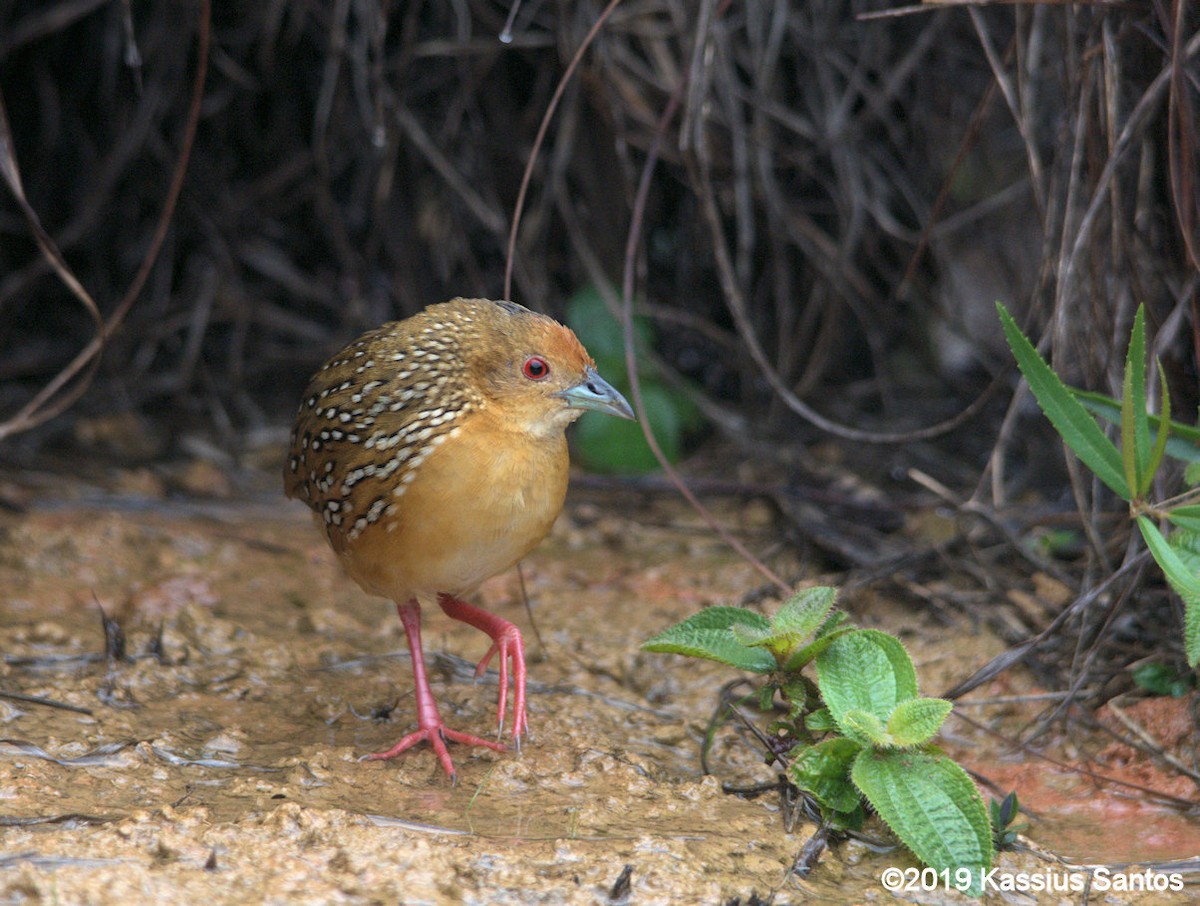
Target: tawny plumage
point(432, 451)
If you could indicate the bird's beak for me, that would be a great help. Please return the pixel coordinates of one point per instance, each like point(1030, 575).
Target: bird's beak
point(593, 392)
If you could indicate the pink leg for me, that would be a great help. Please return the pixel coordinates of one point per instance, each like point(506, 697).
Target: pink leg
point(429, 719)
point(508, 643)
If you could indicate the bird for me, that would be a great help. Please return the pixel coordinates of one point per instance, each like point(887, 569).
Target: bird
point(432, 452)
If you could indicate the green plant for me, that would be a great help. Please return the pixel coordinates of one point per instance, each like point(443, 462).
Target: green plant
point(859, 732)
point(1003, 814)
point(616, 445)
point(1130, 469)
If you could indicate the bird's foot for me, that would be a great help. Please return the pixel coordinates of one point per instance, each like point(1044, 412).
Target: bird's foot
point(437, 735)
point(508, 643)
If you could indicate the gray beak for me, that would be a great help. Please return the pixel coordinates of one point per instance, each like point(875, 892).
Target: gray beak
point(593, 392)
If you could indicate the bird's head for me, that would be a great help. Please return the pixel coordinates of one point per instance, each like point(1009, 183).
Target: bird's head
point(537, 372)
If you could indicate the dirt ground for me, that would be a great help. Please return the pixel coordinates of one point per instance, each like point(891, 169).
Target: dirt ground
point(217, 762)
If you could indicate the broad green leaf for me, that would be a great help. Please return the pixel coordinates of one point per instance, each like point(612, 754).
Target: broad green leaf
point(802, 614)
point(916, 721)
point(865, 728)
point(714, 645)
point(1078, 429)
point(1183, 442)
point(722, 618)
point(599, 331)
point(866, 670)
point(1183, 580)
point(796, 620)
point(932, 805)
point(824, 771)
point(708, 634)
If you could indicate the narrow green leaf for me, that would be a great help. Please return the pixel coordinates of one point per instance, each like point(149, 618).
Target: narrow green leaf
point(824, 771)
point(1183, 580)
point(932, 805)
point(1129, 436)
point(1078, 429)
point(1135, 437)
point(1183, 443)
point(915, 721)
point(1186, 517)
point(865, 670)
point(1164, 426)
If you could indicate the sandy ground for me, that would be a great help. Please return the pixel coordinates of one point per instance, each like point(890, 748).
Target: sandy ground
point(218, 762)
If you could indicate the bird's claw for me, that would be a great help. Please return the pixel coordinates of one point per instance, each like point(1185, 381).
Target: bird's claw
point(510, 646)
point(437, 736)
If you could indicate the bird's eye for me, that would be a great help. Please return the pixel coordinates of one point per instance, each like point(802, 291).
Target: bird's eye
point(535, 368)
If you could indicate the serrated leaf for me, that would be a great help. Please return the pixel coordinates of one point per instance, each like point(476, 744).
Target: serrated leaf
point(867, 670)
point(1182, 579)
point(800, 659)
point(804, 612)
point(751, 636)
point(708, 634)
point(916, 721)
point(931, 804)
point(824, 771)
point(1077, 428)
point(1183, 442)
point(721, 618)
point(714, 645)
point(864, 728)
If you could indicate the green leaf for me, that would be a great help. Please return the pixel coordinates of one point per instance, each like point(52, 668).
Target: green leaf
point(1135, 432)
point(1183, 443)
point(1186, 517)
point(599, 331)
point(1162, 679)
point(867, 670)
point(707, 634)
point(824, 771)
point(916, 721)
point(1078, 429)
point(796, 620)
point(803, 613)
point(800, 658)
point(819, 721)
point(864, 728)
point(931, 804)
point(1164, 429)
point(1183, 580)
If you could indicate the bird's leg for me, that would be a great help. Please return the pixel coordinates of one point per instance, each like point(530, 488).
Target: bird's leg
point(508, 643)
point(429, 719)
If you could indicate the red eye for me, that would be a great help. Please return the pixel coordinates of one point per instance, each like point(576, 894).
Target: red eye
point(535, 368)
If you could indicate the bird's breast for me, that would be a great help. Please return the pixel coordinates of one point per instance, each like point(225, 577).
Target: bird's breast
point(479, 502)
